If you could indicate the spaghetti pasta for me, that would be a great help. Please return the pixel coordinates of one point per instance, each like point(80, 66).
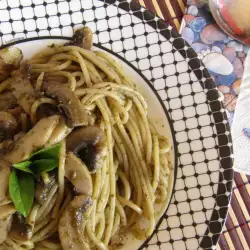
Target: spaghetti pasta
point(132, 183)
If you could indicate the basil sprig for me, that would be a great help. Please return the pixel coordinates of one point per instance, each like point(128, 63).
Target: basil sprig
point(22, 189)
point(47, 153)
point(44, 165)
point(23, 166)
point(21, 180)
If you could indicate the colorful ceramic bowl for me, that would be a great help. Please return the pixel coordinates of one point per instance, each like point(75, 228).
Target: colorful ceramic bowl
point(233, 17)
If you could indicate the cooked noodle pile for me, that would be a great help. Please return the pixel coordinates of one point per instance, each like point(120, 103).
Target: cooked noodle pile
point(130, 188)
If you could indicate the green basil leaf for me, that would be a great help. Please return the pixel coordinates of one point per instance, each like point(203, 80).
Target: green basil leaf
point(22, 189)
point(47, 153)
point(23, 166)
point(27, 187)
point(44, 165)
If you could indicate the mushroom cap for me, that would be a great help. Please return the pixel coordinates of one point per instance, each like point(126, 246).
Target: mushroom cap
point(11, 56)
point(68, 102)
point(20, 230)
point(10, 59)
point(83, 38)
point(70, 224)
point(7, 101)
point(89, 144)
point(8, 125)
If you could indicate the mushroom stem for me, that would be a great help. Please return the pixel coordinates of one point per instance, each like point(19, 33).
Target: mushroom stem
point(59, 133)
point(78, 174)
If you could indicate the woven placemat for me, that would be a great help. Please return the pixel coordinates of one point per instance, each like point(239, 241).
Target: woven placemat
point(170, 10)
point(236, 232)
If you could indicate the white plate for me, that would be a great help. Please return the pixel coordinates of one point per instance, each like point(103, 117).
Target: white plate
point(160, 118)
point(202, 191)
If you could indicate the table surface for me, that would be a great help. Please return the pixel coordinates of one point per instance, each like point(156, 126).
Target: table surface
point(236, 233)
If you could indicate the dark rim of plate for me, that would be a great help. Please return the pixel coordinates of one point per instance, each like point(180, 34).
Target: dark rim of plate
point(225, 181)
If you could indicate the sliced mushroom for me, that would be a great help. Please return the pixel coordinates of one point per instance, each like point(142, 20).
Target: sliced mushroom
point(19, 136)
point(16, 112)
point(5, 170)
point(6, 211)
point(60, 133)
point(33, 140)
point(68, 101)
point(83, 38)
point(7, 101)
point(78, 174)
point(5, 146)
point(20, 230)
point(45, 110)
point(5, 70)
point(11, 56)
point(89, 144)
point(5, 225)
point(8, 125)
point(10, 59)
point(70, 224)
point(22, 88)
point(42, 189)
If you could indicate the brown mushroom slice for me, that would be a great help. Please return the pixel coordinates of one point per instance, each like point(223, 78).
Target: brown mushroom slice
point(42, 189)
point(5, 70)
point(78, 174)
point(35, 139)
point(8, 125)
point(89, 144)
point(10, 59)
point(19, 135)
point(60, 133)
point(6, 211)
point(68, 101)
point(11, 56)
point(45, 110)
point(70, 224)
point(7, 101)
point(83, 38)
point(20, 230)
point(16, 112)
point(5, 146)
point(22, 88)
point(5, 170)
point(5, 225)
